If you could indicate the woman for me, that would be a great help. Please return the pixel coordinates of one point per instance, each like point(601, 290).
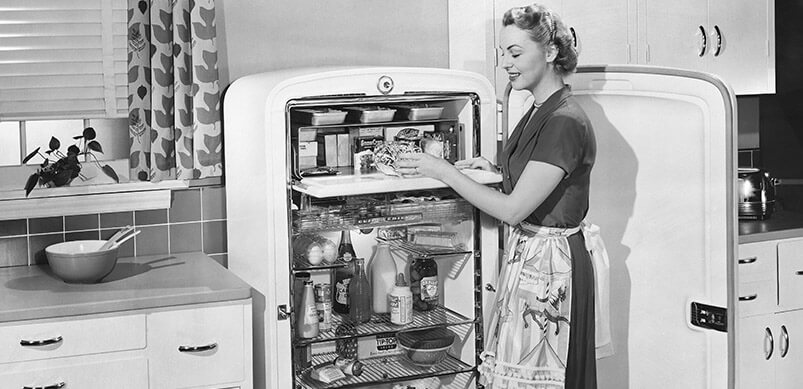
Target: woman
point(542, 331)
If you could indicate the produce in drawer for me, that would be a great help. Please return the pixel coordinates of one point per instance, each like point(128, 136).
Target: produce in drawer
point(385, 156)
point(307, 248)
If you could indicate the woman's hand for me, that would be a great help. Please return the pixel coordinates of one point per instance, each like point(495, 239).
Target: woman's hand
point(412, 164)
point(476, 163)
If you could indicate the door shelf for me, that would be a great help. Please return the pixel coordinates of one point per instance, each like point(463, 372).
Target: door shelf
point(381, 371)
point(380, 324)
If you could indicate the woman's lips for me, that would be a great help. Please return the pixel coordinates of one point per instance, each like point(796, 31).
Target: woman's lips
point(512, 76)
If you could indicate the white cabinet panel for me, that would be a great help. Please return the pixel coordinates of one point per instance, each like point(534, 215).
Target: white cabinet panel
point(757, 261)
point(601, 29)
point(789, 372)
point(53, 339)
point(121, 374)
point(790, 274)
point(756, 298)
point(758, 343)
point(672, 35)
point(195, 347)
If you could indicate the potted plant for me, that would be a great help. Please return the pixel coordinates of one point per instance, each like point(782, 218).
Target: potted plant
point(59, 169)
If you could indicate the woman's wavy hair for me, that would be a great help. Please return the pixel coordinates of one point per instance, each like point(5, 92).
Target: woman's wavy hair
point(545, 27)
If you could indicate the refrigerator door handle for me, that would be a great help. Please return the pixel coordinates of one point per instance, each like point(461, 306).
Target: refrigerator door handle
point(282, 312)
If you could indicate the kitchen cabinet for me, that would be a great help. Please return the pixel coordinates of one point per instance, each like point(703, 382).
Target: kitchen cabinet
point(771, 314)
point(734, 40)
point(193, 346)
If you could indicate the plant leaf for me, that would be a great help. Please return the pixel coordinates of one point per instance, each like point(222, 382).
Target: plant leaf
point(31, 155)
point(95, 146)
point(110, 172)
point(31, 183)
point(54, 143)
point(89, 133)
point(73, 149)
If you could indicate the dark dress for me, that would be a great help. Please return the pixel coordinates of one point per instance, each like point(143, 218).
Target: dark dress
point(559, 133)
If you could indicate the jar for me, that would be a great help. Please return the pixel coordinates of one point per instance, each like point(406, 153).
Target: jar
point(424, 283)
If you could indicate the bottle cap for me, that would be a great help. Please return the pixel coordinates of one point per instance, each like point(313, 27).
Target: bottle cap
point(400, 280)
point(308, 282)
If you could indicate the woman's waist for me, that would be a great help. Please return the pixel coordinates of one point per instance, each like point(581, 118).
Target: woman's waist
point(545, 231)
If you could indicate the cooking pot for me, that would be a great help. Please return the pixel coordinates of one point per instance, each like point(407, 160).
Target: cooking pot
point(756, 194)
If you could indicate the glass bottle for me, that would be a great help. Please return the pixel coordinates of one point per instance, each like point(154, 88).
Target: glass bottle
point(298, 288)
point(340, 292)
point(383, 277)
point(424, 283)
point(359, 294)
point(345, 250)
point(307, 315)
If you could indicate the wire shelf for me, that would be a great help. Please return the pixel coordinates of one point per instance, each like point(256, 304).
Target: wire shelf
point(380, 324)
point(381, 371)
point(422, 250)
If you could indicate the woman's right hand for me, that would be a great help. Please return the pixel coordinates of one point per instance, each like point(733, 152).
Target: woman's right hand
point(476, 163)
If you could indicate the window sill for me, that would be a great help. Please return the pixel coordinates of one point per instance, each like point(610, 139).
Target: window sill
point(88, 199)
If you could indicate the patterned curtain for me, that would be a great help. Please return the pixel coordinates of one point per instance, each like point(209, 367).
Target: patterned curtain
point(173, 90)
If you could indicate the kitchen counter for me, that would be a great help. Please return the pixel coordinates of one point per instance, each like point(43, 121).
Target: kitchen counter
point(782, 224)
point(34, 292)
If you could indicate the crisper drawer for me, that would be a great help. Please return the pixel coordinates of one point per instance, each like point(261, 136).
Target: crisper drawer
point(757, 261)
point(757, 297)
point(34, 340)
point(197, 347)
point(790, 274)
point(121, 374)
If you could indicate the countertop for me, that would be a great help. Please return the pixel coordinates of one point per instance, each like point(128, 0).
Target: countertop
point(34, 292)
point(782, 224)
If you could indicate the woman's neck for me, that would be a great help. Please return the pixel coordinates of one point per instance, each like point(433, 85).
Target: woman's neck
point(548, 86)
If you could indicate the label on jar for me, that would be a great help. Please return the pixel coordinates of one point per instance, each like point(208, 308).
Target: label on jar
point(429, 289)
point(401, 309)
point(342, 291)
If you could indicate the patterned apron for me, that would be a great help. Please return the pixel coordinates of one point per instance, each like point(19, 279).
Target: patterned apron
point(528, 336)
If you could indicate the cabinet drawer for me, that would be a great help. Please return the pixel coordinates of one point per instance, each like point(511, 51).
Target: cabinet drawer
point(122, 374)
point(196, 347)
point(757, 261)
point(790, 274)
point(757, 297)
point(35, 340)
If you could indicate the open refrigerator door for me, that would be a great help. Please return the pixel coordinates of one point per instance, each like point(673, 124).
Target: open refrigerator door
point(309, 161)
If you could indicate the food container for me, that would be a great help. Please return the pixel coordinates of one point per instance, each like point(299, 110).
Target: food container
point(370, 113)
point(426, 347)
point(318, 116)
point(419, 111)
point(80, 262)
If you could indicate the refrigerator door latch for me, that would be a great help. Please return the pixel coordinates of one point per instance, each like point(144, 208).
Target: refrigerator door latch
point(283, 313)
point(709, 317)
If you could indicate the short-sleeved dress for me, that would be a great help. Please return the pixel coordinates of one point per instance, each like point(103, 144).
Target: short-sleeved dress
point(542, 331)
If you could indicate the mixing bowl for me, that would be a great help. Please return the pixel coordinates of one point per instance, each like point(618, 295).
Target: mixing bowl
point(426, 347)
point(80, 262)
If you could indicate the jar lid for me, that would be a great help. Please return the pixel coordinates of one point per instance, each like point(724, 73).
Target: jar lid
point(426, 339)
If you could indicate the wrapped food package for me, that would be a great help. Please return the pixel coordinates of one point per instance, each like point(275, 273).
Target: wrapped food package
point(387, 153)
point(306, 247)
point(432, 146)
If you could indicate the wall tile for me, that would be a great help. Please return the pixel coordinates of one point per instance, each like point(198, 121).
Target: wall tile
point(213, 203)
point(185, 237)
point(13, 251)
point(156, 216)
point(116, 219)
point(37, 244)
point(82, 235)
point(126, 249)
point(151, 241)
point(46, 224)
point(186, 206)
point(81, 222)
point(13, 227)
point(214, 237)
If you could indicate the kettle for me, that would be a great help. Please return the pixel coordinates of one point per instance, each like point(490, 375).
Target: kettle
point(756, 191)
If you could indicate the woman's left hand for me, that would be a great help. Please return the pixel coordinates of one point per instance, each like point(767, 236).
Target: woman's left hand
point(412, 164)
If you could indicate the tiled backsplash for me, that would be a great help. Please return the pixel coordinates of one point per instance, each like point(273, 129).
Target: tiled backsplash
point(196, 221)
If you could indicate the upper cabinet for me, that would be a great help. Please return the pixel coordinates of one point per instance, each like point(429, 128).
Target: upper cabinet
point(733, 39)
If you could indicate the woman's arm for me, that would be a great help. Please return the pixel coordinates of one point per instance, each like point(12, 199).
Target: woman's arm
point(537, 181)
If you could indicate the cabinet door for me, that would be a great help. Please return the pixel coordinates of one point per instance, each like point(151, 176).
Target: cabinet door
point(601, 29)
point(120, 374)
point(758, 341)
point(790, 274)
point(788, 373)
point(741, 35)
point(672, 35)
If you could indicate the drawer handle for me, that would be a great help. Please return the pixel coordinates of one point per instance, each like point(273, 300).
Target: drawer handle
point(799, 272)
point(784, 341)
point(748, 298)
point(197, 349)
point(746, 261)
point(54, 386)
point(43, 342)
point(769, 344)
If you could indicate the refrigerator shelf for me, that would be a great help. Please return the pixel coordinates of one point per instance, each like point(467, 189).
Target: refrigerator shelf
point(381, 215)
point(373, 124)
point(380, 324)
point(425, 251)
point(359, 184)
point(382, 372)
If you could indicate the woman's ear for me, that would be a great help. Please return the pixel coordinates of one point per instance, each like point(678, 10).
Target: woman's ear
point(551, 53)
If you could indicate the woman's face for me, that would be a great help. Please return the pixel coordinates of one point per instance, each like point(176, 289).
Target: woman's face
point(524, 60)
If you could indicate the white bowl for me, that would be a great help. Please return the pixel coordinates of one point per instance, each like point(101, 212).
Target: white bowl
point(80, 262)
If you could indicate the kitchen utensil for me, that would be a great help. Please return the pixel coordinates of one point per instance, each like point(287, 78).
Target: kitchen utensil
point(756, 194)
point(81, 261)
point(120, 241)
point(117, 236)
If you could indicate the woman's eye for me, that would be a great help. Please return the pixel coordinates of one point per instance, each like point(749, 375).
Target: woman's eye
point(514, 55)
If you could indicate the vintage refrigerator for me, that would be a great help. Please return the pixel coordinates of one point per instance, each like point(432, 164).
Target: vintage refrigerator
point(662, 193)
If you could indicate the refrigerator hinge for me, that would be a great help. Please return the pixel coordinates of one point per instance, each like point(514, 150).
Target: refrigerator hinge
point(282, 312)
